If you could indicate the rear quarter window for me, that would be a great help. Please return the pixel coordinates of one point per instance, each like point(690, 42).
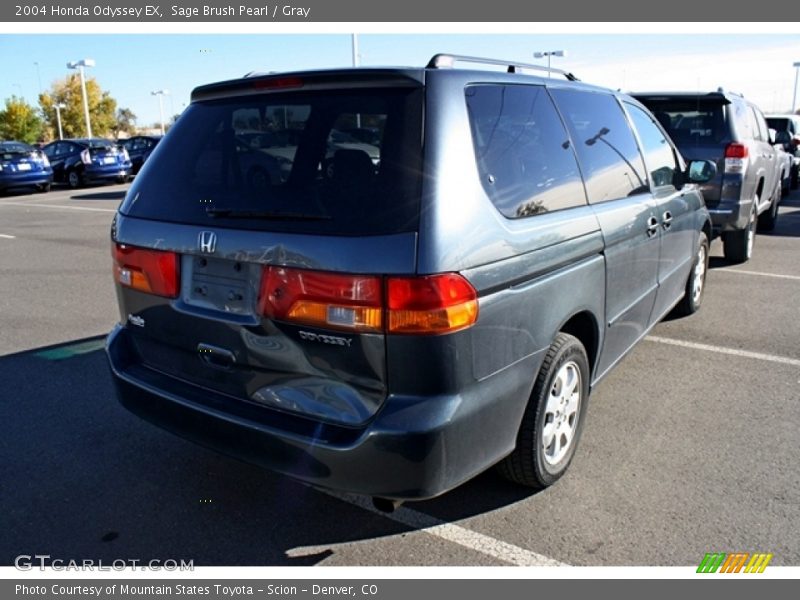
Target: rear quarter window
point(525, 159)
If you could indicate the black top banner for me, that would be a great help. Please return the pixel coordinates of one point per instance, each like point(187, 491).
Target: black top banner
point(375, 11)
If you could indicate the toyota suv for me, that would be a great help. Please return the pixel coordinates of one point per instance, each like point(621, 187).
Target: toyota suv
point(731, 131)
point(392, 322)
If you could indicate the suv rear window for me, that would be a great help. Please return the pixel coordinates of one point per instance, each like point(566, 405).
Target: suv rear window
point(690, 121)
point(297, 162)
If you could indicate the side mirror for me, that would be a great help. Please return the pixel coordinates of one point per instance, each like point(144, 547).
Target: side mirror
point(700, 171)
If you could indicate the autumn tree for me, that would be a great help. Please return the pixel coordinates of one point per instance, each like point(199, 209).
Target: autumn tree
point(126, 122)
point(67, 91)
point(20, 121)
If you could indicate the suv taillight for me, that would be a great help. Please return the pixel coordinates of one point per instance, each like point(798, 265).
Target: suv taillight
point(433, 304)
point(151, 271)
point(736, 158)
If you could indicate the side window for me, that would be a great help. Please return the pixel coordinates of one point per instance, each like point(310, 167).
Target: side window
point(607, 150)
point(658, 154)
point(755, 126)
point(524, 155)
point(50, 151)
point(762, 124)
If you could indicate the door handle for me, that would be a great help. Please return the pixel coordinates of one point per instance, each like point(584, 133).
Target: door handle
point(666, 220)
point(652, 226)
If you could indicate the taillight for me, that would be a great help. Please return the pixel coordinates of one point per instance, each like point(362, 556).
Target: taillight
point(86, 157)
point(322, 299)
point(151, 271)
point(125, 155)
point(278, 83)
point(736, 158)
point(432, 304)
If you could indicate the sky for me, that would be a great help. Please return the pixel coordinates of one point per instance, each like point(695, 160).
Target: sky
point(131, 66)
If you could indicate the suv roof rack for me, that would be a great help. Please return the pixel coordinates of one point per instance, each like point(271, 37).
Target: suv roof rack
point(448, 61)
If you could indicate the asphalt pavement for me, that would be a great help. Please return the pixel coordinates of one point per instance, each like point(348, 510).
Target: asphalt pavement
point(690, 445)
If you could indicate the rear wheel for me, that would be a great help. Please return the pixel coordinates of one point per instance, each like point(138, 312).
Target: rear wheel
point(74, 179)
point(696, 283)
point(43, 188)
point(738, 245)
point(767, 219)
point(793, 183)
point(553, 419)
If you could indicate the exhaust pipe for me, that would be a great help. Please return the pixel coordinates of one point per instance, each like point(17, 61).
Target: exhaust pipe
point(386, 505)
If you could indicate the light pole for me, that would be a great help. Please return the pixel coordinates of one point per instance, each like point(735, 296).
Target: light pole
point(80, 65)
point(796, 73)
point(355, 64)
point(549, 54)
point(58, 106)
point(161, 94)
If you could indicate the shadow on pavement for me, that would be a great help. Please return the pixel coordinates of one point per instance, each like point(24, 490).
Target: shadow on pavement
point(115, 195)
point(83, 478)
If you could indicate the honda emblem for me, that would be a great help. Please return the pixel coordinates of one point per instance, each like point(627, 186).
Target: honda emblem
point(207, 241)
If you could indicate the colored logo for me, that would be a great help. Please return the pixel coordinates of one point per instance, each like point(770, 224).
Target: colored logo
point(736, 562)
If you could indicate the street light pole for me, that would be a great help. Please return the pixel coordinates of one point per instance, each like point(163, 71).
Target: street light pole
point(794, 98)
point(160, 94)
point(355, 64)
point(58, 107)
point(549, 54)
point(80, 65)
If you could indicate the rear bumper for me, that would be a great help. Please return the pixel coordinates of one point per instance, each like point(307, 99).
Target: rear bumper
point(25, 179)
point(107, 173)
point(414, 448)
point(731, 212)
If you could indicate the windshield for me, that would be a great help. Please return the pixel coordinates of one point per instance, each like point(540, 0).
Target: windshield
point(295, 154)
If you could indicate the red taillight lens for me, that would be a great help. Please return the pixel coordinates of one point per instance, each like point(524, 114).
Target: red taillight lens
point(280, 83)
point(151, 271)
point(332, 300)
point(736, 151)
point(433, 304)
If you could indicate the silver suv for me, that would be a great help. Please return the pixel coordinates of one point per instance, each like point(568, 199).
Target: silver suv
point(394, 312)
point(732, 132)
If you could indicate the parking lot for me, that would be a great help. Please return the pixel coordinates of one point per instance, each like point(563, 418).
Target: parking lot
point(690, 446)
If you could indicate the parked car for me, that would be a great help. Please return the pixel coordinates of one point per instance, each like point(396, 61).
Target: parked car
point(139, 148)
point(730, 131)
point(23, 166)
point(399, 325)
point(788, 135)
point(785, 163)
point(79, 162)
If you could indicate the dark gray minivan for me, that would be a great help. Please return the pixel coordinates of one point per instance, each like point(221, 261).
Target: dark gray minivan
point(392, 314)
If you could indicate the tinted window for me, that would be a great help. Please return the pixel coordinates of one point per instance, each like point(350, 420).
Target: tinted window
point(286, 157)
point(525, 161)
point(689, 121)
point(780, 124)
point(606, 147)
point(658, 154)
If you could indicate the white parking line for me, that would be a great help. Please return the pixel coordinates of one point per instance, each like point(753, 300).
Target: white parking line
point(27, 204)
point(8, 237)
point(467, 538)
point(743, 272)
point(784, 360)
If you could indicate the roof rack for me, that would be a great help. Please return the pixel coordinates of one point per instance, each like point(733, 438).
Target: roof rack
point(448, 61)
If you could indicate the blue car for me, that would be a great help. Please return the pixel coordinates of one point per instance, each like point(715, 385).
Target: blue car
point(139, 148)
point(23, 166)
point(79, 162)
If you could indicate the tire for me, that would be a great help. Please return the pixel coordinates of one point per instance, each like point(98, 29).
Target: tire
point(43, 188)
point(696, 282)
point(551, 405)
point(767, 219)
point(738, 245)
point(74, 179)
point(794, 178)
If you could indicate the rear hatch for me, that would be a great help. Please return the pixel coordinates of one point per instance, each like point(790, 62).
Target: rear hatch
point(252, 255)
point(105, 154)
point(699, 128)
point(21, 158)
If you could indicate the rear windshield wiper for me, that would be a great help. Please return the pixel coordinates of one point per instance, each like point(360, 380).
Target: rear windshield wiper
point(232, 213)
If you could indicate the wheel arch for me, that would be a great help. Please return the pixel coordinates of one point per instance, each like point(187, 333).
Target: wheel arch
point(584, 326)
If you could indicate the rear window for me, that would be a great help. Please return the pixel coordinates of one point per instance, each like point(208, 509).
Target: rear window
point(778, 124)
point(15, 148)
point(690, 121)
point(339, 162)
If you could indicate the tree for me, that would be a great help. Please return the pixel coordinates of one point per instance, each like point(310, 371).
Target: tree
point(126, 122)
point(102, 107)
point(20, 121)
